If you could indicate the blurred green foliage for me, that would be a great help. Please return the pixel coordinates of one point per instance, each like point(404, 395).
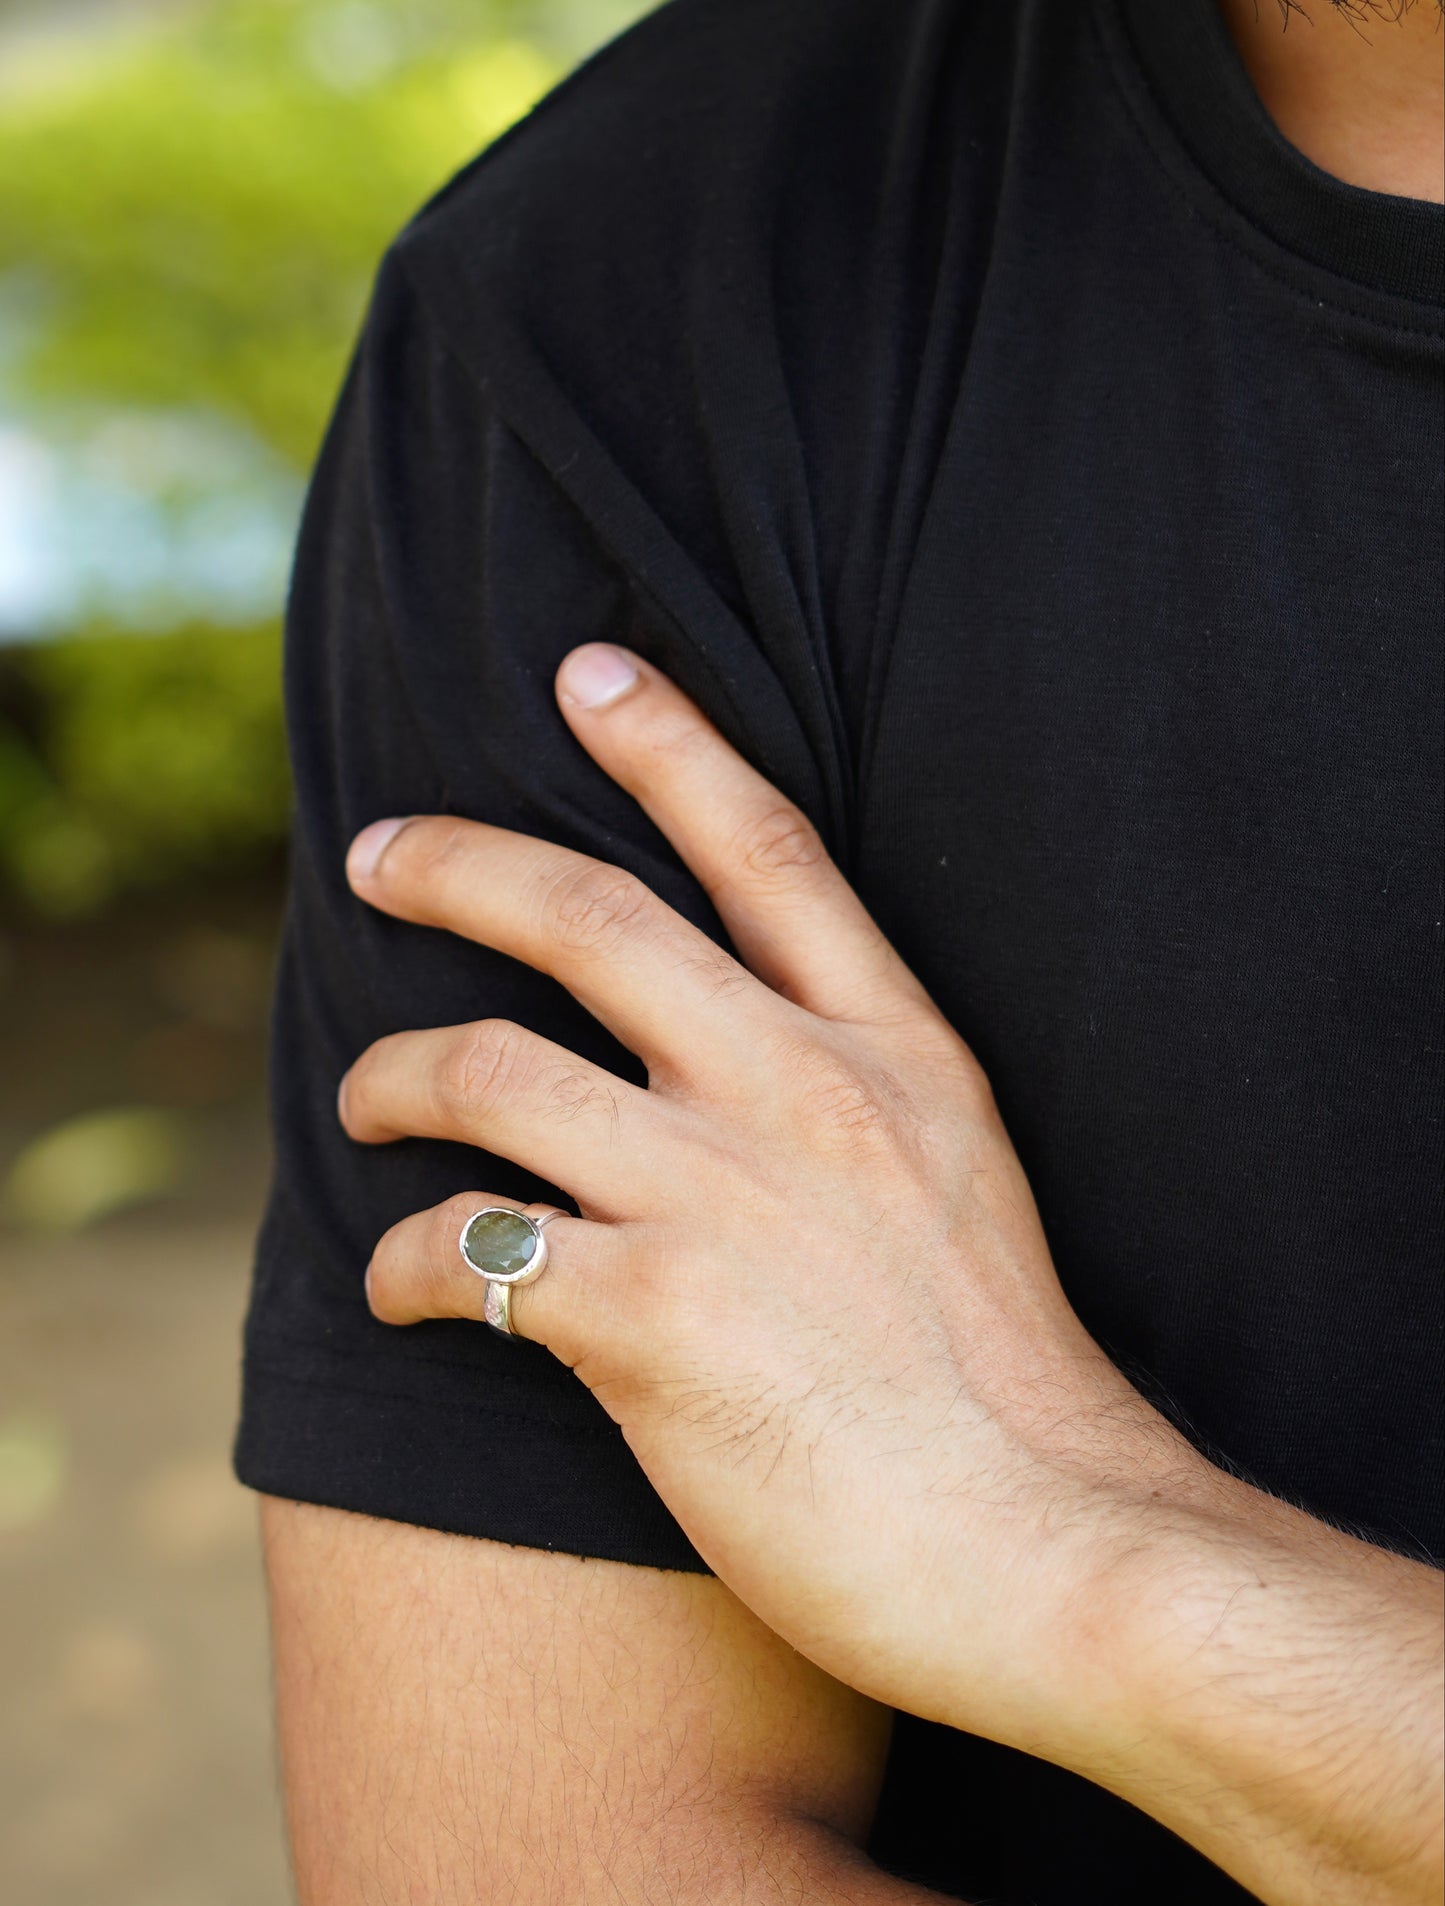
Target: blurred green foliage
point(203, 202)
point(191, 210)
point(159, 757)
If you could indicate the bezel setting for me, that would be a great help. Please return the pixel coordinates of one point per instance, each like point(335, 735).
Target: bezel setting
point(534, 1265)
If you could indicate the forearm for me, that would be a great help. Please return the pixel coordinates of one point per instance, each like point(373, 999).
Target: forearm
point(1267, 1687)
point(1291, 1686)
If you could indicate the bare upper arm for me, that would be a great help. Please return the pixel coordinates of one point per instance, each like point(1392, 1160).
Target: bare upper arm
point(462, 1721)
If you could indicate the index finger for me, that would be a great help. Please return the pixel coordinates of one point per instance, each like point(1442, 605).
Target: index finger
point(791, 914)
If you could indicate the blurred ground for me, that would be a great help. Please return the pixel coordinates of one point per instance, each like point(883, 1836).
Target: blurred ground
point(135, 1763)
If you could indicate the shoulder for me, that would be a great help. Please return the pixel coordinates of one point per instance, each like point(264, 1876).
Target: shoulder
point(644, 131)
point(698, 144)
point(709, 299)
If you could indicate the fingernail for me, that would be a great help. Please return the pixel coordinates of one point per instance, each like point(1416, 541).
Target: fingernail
point(369, 846)
point(596, 674)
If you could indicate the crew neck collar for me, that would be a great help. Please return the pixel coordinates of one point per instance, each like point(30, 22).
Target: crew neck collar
point(1389, 244)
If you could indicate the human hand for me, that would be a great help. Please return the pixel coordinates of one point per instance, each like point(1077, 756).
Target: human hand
point(810, 1282)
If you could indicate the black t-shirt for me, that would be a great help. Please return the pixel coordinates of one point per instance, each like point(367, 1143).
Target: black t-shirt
point(1033, 465)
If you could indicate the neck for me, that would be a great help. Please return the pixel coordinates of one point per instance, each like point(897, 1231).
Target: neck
point(1357, 88)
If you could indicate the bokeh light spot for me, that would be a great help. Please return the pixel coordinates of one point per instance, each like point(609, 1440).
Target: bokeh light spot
point(90, 1166)
point(33, 1464)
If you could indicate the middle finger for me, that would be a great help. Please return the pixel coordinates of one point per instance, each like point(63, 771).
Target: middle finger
point(662, 986)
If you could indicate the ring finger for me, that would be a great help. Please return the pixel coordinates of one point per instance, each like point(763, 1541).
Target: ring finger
point(417, 1271)
point(502, 1088)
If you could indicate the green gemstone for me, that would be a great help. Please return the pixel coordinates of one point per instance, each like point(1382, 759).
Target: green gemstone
point(499, 1243)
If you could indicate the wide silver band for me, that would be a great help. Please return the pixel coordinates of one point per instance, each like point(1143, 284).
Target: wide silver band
point(497, 1309)
point(497, 1303)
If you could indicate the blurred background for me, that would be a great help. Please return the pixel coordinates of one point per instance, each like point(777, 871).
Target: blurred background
point(193, 198)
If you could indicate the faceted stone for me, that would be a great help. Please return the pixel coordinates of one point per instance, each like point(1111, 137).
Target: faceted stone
point(499, 1243)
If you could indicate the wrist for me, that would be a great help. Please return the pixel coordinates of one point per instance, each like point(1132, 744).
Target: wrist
point(1053, 1564)
point(1158, 1546)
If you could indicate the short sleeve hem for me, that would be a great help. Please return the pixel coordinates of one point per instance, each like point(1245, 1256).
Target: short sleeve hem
point(313, 1431)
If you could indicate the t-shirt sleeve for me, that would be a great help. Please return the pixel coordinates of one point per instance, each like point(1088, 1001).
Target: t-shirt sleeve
point(440, 577)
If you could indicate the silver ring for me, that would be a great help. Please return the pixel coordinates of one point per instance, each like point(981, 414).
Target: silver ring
point(506, 1247)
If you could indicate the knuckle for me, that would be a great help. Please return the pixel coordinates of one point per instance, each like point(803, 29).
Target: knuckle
point(589, 909)
point(718, 972)
point(946, 1066)
point(842, 1106)
point(847, 1107)
point(779, 841)
point(570, 1092)
point(484, 1067)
